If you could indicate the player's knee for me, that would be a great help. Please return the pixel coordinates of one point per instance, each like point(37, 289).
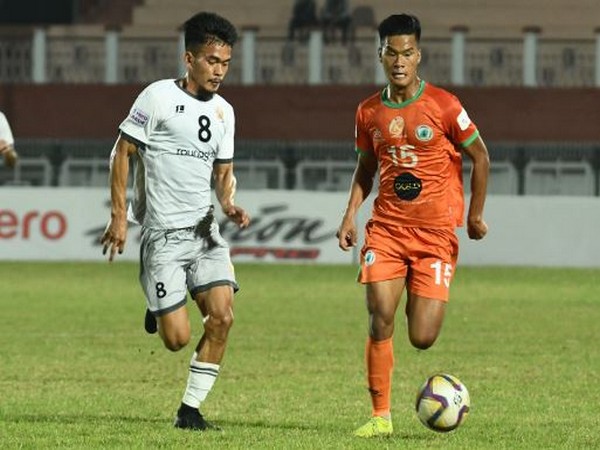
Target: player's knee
point(175, 345)
point(222, 321)
point(218, 325)
point(176, 341)
point(422, 342)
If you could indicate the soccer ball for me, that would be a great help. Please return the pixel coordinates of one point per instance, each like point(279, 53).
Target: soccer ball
point(442, 402)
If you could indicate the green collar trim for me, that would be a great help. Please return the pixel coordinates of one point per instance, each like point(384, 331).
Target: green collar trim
point(387, 102)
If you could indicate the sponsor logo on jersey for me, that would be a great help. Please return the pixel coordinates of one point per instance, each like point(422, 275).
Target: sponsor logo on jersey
point(396, 127)
point(424, 133)
point(463, 120)
point(407, 186)
point(200, 154)
point(369, 258)
point(138, 117)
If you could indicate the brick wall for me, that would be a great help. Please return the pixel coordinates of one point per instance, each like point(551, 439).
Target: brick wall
point(303, 112)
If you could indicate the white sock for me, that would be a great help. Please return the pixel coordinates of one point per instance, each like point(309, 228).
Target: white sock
point(201, 379)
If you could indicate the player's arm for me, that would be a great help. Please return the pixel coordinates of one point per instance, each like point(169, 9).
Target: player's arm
point(9, 153)
point(477, 152)
point(113, 239)
point(7, 149)
point(225, 186)
point(362, 184)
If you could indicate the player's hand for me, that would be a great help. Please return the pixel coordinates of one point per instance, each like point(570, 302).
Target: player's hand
point(113, 239)
point(9, 154)
point(347, 235)
point(476, 228)
point(237, 215)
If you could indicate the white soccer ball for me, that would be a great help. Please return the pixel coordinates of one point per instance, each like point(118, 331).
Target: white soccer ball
point(443, 402)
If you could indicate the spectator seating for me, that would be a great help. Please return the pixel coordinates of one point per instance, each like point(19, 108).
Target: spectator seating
point(556, 18)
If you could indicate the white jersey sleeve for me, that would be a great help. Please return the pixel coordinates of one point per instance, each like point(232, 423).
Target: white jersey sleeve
point(142, 118)
point(5, 131)
point(225, 152)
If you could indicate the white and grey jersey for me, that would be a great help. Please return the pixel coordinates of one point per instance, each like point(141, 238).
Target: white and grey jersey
point(180, 137)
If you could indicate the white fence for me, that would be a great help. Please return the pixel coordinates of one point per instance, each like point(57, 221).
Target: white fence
point(97, 55)
point(299, 226)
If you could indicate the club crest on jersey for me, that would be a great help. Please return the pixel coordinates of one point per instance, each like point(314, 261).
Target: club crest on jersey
point(424, 133)
point(220, 114)
point(369, 258)
point(396, 127)
point(138, 117)
point(377, 136)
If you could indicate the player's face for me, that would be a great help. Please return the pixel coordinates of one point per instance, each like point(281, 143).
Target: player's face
point(207, 68)
point(400, 57)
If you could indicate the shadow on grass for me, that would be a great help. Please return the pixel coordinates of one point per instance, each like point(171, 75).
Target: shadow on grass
point(263, 424)
point(79, 418)
point(108, 418)
point(87, 419)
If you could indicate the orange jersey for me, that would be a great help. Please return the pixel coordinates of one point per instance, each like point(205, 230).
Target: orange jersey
point(417, 146)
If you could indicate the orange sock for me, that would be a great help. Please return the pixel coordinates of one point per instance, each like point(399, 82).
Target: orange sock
point(380, 362)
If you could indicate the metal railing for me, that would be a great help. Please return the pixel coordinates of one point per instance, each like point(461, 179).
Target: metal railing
point(516, 168)
point(108, 56)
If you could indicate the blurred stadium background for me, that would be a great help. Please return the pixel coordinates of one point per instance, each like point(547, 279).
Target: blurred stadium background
point(527, 72)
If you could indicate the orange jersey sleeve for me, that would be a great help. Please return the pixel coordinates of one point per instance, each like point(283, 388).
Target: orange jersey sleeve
point(417, 146)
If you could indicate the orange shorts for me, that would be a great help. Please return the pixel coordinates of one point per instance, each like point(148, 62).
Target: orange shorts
point(426, 257)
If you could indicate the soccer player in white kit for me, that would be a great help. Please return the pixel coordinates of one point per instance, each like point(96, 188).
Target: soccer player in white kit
point(7, 142)
point(180, 133)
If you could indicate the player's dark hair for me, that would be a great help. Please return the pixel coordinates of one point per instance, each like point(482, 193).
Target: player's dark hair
point(205, 27)
point(398, 24)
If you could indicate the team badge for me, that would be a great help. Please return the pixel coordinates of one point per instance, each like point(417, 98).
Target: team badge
point(424, 133)
point(396, 127)
point(220, 114)
point(369, 258)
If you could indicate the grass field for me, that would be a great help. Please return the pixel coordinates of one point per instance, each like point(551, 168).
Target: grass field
point(78, 371)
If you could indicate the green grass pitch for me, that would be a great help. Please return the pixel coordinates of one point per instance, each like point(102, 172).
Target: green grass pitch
point(78, 371)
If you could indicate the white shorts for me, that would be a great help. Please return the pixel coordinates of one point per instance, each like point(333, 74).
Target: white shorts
point(174, 262)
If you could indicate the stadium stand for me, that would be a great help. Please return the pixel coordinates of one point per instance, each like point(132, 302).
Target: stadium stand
point(107, 12)
point(148, 49)
point(574, 19)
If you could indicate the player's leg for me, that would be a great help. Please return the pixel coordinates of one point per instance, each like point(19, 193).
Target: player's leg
point(216, 306)
point(425, 317)
point(383, 272)
point(428, 285)
point(383, 298)
point(174, 329)
point(211, 281)
point(164, 283)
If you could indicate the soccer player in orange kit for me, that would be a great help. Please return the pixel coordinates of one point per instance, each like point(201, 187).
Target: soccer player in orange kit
point(414, 134)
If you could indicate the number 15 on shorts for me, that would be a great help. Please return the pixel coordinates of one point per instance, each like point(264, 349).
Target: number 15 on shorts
point(443, 272)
